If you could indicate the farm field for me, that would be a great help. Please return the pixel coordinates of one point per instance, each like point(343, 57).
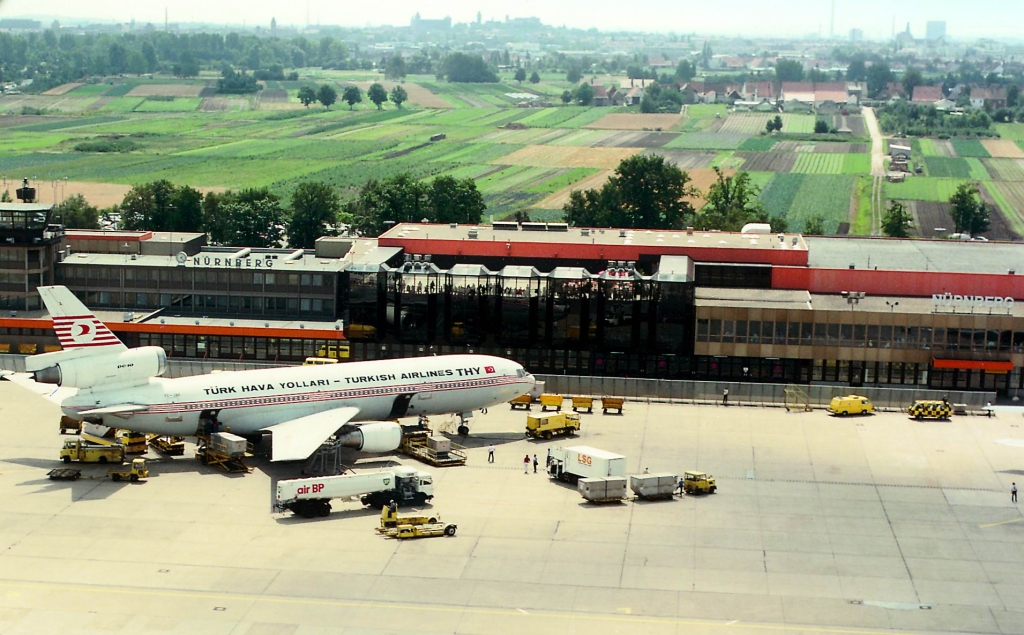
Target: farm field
point(524, 159)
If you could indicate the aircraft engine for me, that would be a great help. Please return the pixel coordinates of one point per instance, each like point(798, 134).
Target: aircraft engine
point(375, 436)
point(132, 367)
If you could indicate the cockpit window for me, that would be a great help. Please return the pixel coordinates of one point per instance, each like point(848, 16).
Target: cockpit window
point(520, 373)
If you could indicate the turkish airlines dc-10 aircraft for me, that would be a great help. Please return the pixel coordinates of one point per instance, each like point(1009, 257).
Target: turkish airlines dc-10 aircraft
point(301, 406)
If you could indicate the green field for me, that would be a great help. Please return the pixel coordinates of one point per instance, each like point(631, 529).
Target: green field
point(812, 163)
point(186, 104)
point(919, 188)
point(969, 148)
point(825, 196)
point(758, 144)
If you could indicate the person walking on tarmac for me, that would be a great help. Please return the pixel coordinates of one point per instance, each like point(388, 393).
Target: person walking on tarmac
point(682, 485)
point(535, 463)
point(725, 397)
point(1013, 492)
point(490, 454)
point(526, 464)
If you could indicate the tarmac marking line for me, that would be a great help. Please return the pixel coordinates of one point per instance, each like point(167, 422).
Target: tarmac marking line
point(1002, 522)
point(438, 609)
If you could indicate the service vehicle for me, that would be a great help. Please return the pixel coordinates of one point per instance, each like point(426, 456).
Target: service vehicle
point(522, 401)
point(133, 442)
point(311, 497)
point(69, 425)
point(571, 464)
point(137, 470)
point(612, 403)
point(64, 474)
point(699, 483)
point(318, 361)
point(930, 409)
point(851, 405)
point(390, 519)
point(76, 450)
point(654, 486)
point(547, 426)
point(551, 401)
point(334, 351)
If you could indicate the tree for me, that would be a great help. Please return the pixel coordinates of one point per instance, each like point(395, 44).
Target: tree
point(396, 68)
point(352, 96)
point(148, 207)
point(566, 96)
point(520, 74)
point(645, 192)
point(574, 74)
point(731, 204)
point(256, 223)
point(584, 94)
point(460, 67)
point(307, 95)
point(377, 94)
point(216, 223)
point(685, 71)
point(76, 213)
point(897, 221)
point(327, 95)
point(912, 78)
point(789, 71)
point(815, 225)
point(1003, 115)
point(1012, 95)
point(315, 210)
point(187, 210)
point(878, 77)
point(397, 199)
point(452, 200)
point(820, 127)
point(187, 66)
point(856, 70)
point(534, 78)
point(149, 54)
point(970, 215)
point(398, 96)
point(774, 124)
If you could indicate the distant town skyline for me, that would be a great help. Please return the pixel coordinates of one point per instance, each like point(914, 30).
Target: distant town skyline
point(783, 18)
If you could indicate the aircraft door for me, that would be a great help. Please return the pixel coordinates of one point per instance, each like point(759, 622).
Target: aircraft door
point(400, 407)
point(208, 422)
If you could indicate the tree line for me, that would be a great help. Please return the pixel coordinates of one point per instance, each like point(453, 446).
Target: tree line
point(257, 217)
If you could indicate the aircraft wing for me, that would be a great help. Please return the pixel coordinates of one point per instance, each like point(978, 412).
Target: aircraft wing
point(123, 410)
point(56, 394)
point(295, 440)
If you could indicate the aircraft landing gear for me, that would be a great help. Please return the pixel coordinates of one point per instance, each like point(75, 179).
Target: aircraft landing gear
point(463, 428)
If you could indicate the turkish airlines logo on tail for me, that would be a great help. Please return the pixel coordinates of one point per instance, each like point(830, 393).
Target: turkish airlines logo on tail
point(76, 331)
point(488, 369)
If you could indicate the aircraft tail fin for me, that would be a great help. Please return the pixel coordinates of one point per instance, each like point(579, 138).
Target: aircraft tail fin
point(75, 325)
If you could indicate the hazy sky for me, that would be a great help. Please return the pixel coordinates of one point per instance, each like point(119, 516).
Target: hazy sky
point(966, 19)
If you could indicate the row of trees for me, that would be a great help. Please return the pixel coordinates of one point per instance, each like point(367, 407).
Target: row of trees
point(925, 120)
point(404, 199)
point(351, 95)
point(51, 58)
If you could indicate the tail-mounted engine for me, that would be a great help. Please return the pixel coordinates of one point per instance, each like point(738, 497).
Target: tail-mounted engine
point(132, 367)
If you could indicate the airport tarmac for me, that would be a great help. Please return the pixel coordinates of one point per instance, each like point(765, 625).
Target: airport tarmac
point(820, 525)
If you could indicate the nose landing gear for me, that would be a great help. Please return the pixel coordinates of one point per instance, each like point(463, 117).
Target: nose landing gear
point(463, 428)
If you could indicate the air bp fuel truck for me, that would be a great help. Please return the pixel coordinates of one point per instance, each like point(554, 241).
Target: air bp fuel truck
point(311, 497)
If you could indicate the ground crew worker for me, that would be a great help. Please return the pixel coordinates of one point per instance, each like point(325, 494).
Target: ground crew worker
point(526, 464)
point(490, 454)
point(1013, 492)
point(535, 461)
point(681, 487)
point(549, 457)
point(725, 397)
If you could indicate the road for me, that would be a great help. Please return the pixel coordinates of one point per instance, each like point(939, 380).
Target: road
point(877, 170)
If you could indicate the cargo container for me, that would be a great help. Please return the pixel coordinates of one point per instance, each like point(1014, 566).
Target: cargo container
point(227, 444)
point(581, 461)
point(603, 489)
point(654, 486)
point(311, 496)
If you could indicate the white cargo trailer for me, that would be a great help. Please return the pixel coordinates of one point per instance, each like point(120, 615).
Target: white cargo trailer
point(581, 461)
point(654, 486)
point(311, 496)
point(227, 444)
point(604, 489)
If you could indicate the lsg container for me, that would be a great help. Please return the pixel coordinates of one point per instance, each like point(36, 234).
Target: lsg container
point(602, 490)
point(654, 486)
point(227, 444)
point(581, 461)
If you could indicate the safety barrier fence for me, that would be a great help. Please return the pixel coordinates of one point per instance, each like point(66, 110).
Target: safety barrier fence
point(653, 390)
point(747, 394)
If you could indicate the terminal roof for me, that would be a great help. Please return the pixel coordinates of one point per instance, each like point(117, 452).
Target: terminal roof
point(307, 263)
point(915, 255)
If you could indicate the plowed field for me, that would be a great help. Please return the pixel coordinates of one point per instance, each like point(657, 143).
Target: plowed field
point(417, 94)
point(166, 90)
point(568, 157)
point(60, 90)
point(1003, 149)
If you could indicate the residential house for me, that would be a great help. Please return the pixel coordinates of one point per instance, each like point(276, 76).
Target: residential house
point(600, 96)
point(754, 91)
point(892, 91)
point(945, 105)
point(993, 97)
point(690, 93)
point(926, 94)
point(636, 94)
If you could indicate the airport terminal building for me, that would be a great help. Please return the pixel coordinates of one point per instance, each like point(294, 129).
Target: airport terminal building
point(679, 304)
